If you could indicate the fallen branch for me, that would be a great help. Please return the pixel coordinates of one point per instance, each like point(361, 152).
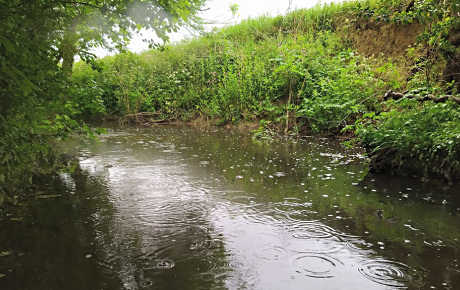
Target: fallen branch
point(442, 99)
point(142, 118)
point(143, 114)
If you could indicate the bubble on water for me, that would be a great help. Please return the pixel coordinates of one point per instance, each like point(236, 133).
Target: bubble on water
point(317, 266)
point(411, 227)
point(163, 264)
point(391, 273)
point(146, 283)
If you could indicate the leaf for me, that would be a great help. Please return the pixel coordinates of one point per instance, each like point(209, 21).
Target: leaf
point(7, 44)
point(369, 115)
point(5, 253)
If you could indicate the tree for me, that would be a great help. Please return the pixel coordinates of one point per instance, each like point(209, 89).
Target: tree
point(107, 23)
point(36, 37)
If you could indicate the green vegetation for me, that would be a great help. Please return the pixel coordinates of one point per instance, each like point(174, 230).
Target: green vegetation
point(38, 43)
point(312, 71)
point(267, 68)
point(307, 72)
point(411, 137)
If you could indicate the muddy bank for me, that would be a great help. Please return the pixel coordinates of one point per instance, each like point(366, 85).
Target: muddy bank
point(391, 40)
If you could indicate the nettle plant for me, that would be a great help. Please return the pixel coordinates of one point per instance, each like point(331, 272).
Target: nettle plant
point(425, 134)
point(337, 86)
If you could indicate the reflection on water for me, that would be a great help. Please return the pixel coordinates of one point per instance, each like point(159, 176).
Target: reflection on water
point(187, 208)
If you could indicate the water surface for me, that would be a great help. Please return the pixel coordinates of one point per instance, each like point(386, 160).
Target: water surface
point(176, 207)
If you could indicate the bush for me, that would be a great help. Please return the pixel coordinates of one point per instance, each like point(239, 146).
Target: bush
point(422, 138)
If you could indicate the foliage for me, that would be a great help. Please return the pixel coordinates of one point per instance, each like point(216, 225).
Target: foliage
point(244, 72)
point(438, 18)
point(38, 42)
point(294, 73)
point(429, 133)
point(217, 79)
point(336, 87)
point(413, 137)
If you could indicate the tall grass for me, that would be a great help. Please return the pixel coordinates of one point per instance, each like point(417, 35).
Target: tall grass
point(260, 68)
point(294, 72)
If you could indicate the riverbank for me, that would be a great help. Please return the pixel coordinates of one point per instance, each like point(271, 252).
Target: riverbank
point(323, 70)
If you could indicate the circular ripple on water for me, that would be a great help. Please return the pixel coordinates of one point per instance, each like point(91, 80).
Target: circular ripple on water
point(199, 210)
point(172, 214)
point(241, 199)
point(237, 262)
point(313, 230)
point(260, 216)
point(317, 266)
point(316, 246)
point(202, 242)
point(390, 273)
point(209, 270)
point(359, 245)
point(301, 215)
point(271, 253)
point(288, 206)
point(163, 264)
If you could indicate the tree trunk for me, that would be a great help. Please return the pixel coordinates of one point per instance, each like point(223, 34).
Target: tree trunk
point(452, 70)
point(68, 50)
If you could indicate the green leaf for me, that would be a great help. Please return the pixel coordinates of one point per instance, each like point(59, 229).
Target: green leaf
point(10, 47)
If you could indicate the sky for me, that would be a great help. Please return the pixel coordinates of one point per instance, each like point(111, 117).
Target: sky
point(219, 12)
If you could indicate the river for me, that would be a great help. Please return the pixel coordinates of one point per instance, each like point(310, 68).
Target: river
point(177, 207)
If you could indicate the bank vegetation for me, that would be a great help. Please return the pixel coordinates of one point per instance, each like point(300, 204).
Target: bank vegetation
point(382, 74)
point(323, 70)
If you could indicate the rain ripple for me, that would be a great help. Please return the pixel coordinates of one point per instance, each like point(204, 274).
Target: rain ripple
point(317, 266)
point(272, 253)
point(313, 230)
point(391, 273)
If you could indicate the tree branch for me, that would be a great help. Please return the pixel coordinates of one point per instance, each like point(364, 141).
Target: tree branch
point(396, 96)
point(81, 3)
